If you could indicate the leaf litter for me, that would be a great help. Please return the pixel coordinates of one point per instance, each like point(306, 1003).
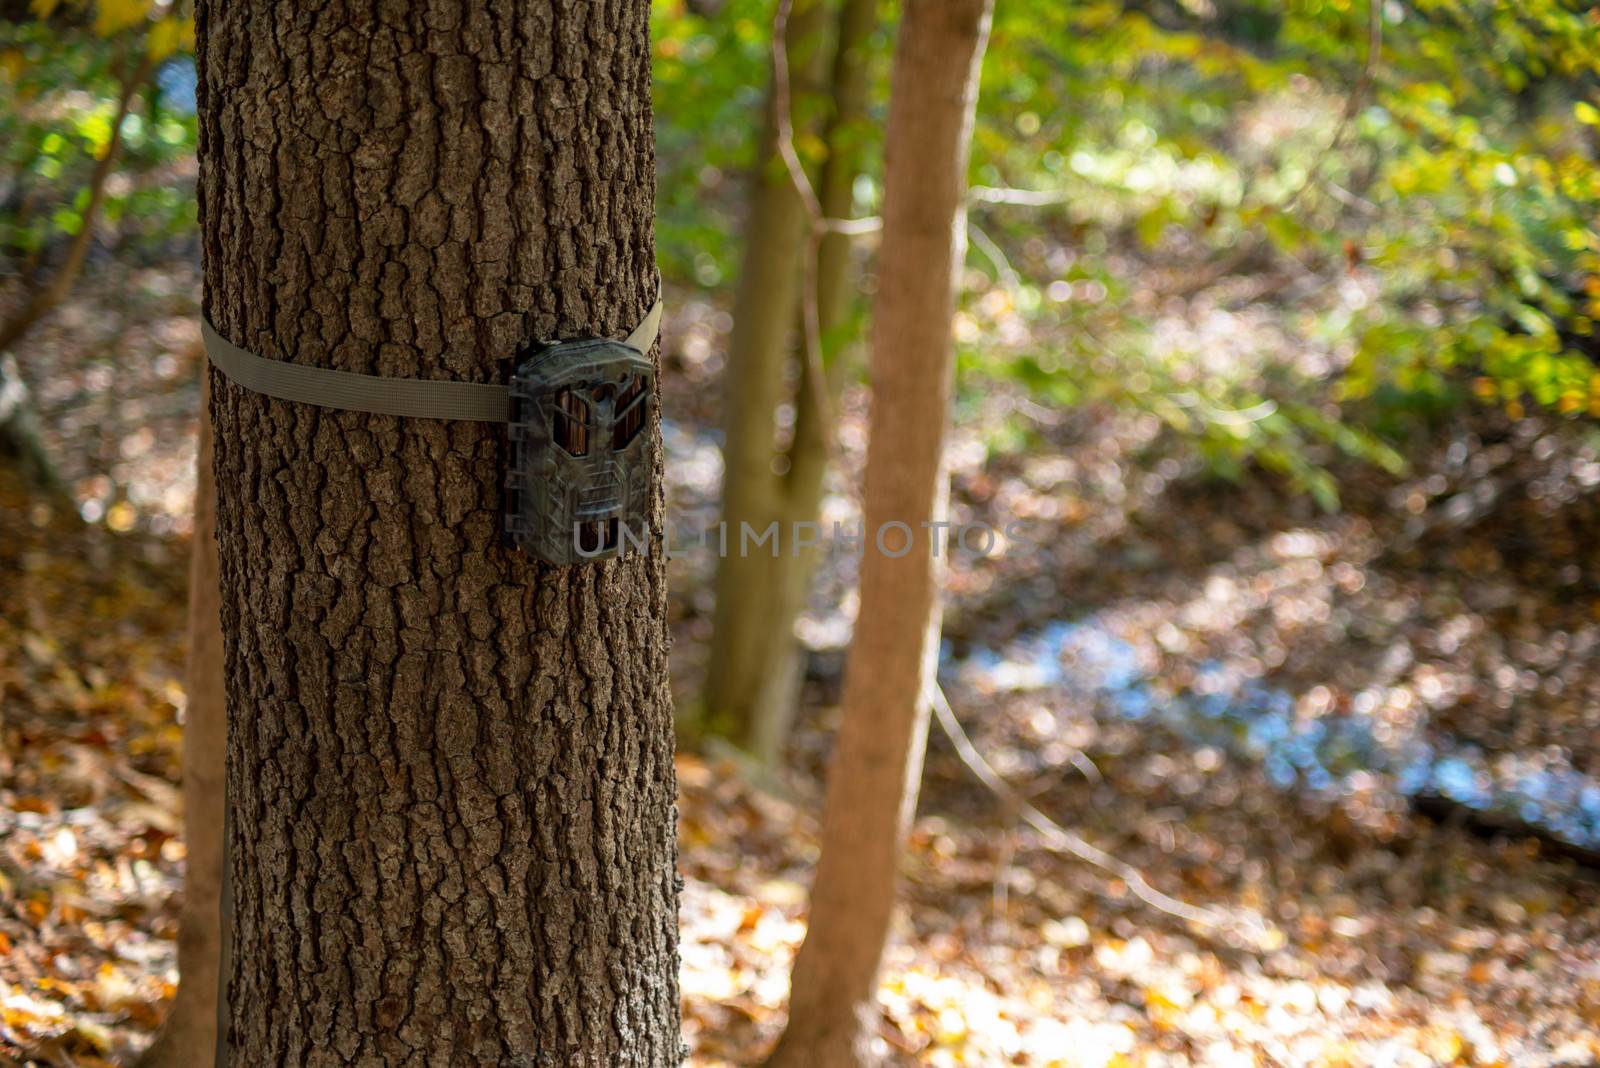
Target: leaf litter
point(1453, 608)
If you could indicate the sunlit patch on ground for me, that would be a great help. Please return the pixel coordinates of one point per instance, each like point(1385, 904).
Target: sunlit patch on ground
point(90, 853)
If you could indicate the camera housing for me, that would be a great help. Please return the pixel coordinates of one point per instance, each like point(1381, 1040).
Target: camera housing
point(581, 450)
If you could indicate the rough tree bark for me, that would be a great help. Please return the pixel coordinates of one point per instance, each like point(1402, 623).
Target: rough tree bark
point(450, 767)
point(873, 777)
point(753, 674)
point(189, 1035)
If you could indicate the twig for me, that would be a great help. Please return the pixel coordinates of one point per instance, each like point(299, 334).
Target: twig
point(1351, 200)
point(1027, 198)
point(1000, 893)
point(1352, 103)
point(783, 116)
point(1007, 274)
point(1057, 836)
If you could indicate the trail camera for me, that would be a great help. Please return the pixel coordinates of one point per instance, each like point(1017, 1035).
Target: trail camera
point(578, 413)
point(578, 486)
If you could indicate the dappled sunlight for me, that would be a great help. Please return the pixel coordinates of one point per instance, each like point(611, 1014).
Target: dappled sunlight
point(1266, 700)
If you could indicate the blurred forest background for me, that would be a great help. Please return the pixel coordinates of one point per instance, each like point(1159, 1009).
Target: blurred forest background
point(1278, 376)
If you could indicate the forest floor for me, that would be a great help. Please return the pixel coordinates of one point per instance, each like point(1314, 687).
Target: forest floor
point(1248, 701)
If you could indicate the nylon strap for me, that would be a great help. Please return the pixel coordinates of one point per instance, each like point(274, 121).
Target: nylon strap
point(418, 398)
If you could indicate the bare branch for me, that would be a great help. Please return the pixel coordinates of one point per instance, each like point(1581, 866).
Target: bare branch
point(1008, 276)
point(867, 224)
point(1027, 198)
point(1352, 104)
point(783, 103)
point(1063, 840)
point(1207, 276)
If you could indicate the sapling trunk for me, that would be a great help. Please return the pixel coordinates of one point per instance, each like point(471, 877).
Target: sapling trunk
point(753, 679)
point(877, 761)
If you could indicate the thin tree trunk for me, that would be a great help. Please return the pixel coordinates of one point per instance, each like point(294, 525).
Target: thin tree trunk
point(450, 766)
point(19, 432)
point(846, 137)
point(46, 297)
point(752, 679)
point(763, 311)
point(872, 782)
point(771, 715)
point(189, 1036)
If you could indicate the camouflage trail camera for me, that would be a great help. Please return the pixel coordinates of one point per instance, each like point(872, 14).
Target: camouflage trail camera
point(578, 484)
point(578, 414)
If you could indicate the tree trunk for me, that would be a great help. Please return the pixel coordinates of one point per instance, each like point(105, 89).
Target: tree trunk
point(763, 312)
point(43, 299)
point(753, 675)
point(771, 715)
point(449, 766)
point(872, 783)
point(189, 1036)
point(21, 444)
